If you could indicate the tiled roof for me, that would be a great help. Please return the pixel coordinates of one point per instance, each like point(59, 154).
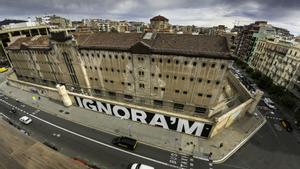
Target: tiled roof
point(160, 43)
point(159, 18)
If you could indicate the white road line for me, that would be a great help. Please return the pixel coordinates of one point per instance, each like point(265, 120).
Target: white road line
point(104, 144)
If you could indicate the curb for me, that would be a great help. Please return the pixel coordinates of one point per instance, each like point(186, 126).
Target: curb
point(240, 144)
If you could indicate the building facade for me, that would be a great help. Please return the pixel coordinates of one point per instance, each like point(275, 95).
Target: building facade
point(160, 24)
point(279, 59)
point(180, 76)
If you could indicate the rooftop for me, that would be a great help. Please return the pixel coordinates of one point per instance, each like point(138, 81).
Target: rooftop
point(159, 18)
point(156, 43)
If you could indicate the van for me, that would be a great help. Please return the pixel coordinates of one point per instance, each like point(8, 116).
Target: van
point(125, 142)
point(139, 166)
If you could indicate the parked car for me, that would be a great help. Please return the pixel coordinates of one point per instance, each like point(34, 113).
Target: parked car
point(269, 103)
point(25, 120)
point(286, 124)
point(13, 110)
point(139, 166)
point(125, 142)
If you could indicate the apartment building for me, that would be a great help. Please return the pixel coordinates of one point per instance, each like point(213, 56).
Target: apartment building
point(277, 58)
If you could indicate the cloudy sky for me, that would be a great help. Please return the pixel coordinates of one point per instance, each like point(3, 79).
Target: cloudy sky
point(281, 13)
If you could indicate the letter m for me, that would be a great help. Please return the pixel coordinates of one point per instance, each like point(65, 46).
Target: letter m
point(184, 126)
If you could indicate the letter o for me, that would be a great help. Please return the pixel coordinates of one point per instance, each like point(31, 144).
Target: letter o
point(116, 110)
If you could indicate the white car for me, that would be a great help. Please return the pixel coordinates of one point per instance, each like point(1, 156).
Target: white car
point(140, 166)
point(25, 120)
point(269, 103)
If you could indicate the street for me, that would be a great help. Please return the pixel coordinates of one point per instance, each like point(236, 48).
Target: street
point(270, 148)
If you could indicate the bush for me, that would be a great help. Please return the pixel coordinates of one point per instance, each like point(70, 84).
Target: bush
point(287, 101)
point(276, 90)
point(265, 82)
point(249, 70)
point(256, 75)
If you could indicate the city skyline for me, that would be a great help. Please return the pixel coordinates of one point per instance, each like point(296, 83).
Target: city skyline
point(200, 13)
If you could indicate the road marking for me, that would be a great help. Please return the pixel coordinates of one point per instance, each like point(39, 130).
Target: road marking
point(104, 144)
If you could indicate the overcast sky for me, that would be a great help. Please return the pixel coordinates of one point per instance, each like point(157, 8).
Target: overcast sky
point(281, 13)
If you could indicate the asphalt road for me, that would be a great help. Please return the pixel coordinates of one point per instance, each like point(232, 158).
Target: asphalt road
point(271, 148)
point(92, 145)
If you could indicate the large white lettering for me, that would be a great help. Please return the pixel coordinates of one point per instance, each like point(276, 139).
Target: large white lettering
point(138, 115)
point(102, 108)
point(79, 101)
point(159, 120)
point(126, 114)
point(89, 104)
point(183, 126)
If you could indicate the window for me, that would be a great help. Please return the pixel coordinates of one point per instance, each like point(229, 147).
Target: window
point(116, 56)
point(200, 94)
point(200, 110)
point(123, 83)
point(191, 79)
point(217, 82)
point(163, 89)
point(122, 57)
point(142, 85)
point(167, 76)
point(203, 64)
point(213, 65)
point(97, 91)
point(96, 79)
point(184, 92)
point(208, 96)
point(194, 63)
point(185, 63)
point(129, 84)
point(153, 60)
point(141, 73)
point(159, 75)
point(176, 91)
point(128, 97)
point(208, 81)
point(169, 61)
point(155, 88)
point(183, 78)
point(111, 81)
point(129, 58)
point(110, 56)
point(98, 55)
point(95, 68)
point(152, 74)
point(106, 80)
point(175, 77)
point(91, 78)
point(222, 66)
point(199, 80)
point(112, 94)
point(177, 62)
point(178, 106)
point(160, 60)
point(158, 102)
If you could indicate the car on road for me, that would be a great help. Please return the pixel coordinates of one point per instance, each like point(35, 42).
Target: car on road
point(139, 166)
point(25, 119)
point(269, 103)
point(13, 110)
point(3, 69)
point(286, 124)
point(125, 142)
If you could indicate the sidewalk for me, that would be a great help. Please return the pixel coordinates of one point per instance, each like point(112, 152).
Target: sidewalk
point(232, 138)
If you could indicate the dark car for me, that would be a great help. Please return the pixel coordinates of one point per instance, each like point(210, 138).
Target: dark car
point(13, 111)
point(286, 124)
point(125, 142)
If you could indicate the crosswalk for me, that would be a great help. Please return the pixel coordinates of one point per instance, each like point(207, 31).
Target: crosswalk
point(272, 117)
point(182, 161)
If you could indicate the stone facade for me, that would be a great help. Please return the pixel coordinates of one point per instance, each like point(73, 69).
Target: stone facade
point(182, 75)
